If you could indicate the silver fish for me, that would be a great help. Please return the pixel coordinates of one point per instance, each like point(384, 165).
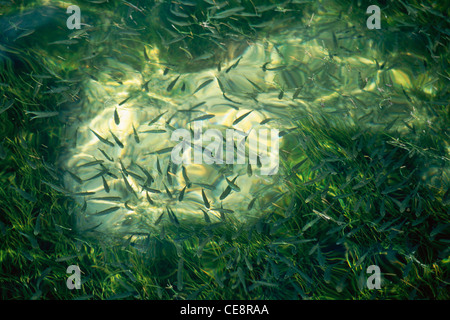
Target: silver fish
point(204, 84)
point(241, 118)
point(105, 141)
point(41, 114)
point(136, 137)
point(106, 211)
point(116, 117)
point(105, 185)
point(205, 199)
point(156, 118)
point(181, 196)
point(119, 143)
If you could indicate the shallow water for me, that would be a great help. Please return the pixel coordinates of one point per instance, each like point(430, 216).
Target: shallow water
point(318, 65)
point(136, 73)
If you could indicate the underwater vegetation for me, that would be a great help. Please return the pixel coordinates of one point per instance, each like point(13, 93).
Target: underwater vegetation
point(86, 179)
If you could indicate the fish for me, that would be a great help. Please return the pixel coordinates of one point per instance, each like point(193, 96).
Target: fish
point(267, 120)
point(150, 189)
point(204, 117)
point(180, 23)
point(251, 203)
point(169, 194)
point(205, 215)
point(236, 121)
point(127, 184)
point(204, 84)
point(127, 206)
point(172, 84)
point(185, 177)
point(254, 84)
point(106, 155)
point(132, 6)
point(258, 161)
point(124, 101)
point(106, 211)
point(135, 134)
point(226, 98)
point(105, 185)
point(119, 143)
point(406, 95)
point(77, 34)
point(57, 89)
point(297, 92)
point(83, 193)
point(24, 194)
point(161, 151)
point(144, 86)
point(154, 131)
point(64, 42)
point(116, 117)
point(169, 126)
point(55, 187)
point(147, 174)
point(158, 166)
point(135, 175)
point(223, 210)
point(233, 185)
point(220, 85)
point(233, 66)
point(225, 193)
point(172, 216)
point(41, 114)
point(228, 105)
point(101, 173)
point(97, 175)
point(169, 174)
point(158, 220)
point(112, 175)
point(124, 170)
point(75, 177)
point(280, 95)
point(181, 196)
point(149, 199)
point(105, 141)
point(227, 13)
point(205, 199)
point(112, 198)
point(156, 118)
point(187, 52)
point(276, 68)
point(204, 185)
point(91, 163)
